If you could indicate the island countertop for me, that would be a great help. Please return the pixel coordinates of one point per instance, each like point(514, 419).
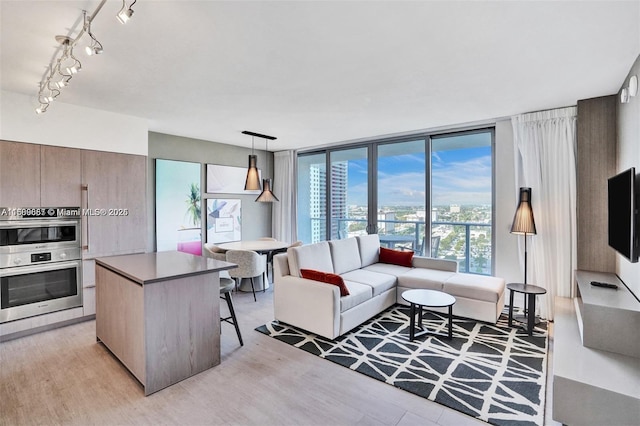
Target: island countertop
point(148, 268)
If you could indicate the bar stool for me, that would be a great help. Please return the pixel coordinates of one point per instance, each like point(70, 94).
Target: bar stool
point(226, 285)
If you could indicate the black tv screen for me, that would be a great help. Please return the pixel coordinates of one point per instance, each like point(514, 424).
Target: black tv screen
point(623, 214)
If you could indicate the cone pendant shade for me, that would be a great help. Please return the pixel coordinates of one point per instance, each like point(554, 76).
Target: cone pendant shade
point(266, 196)
point(253, 179)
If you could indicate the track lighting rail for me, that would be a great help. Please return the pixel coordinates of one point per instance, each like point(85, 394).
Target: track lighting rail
point(64, 64)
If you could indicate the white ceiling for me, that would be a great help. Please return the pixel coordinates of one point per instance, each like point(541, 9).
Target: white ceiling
point(320, 72)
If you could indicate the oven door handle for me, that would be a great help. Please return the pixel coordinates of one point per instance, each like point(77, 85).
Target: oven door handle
point(30, 269)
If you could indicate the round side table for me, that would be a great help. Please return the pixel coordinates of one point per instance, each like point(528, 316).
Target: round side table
point(420, 298)
point(530, 291)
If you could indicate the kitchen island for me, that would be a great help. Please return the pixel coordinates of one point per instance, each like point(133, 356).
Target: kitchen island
point(159, 314)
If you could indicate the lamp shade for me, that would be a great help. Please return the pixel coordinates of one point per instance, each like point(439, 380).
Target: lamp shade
point(266, 196)
point(252, 182)
point(523, 222)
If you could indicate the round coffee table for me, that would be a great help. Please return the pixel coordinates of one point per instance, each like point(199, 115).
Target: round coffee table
point(420, 298)
point(530, 291)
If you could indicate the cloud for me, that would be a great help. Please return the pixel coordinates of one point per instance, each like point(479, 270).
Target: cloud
point(401, 181)
point(463, 182)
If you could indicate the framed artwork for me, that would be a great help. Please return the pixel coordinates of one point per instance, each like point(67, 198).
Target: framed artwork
point(224, 220)
point(178, 223)
point(227, 180)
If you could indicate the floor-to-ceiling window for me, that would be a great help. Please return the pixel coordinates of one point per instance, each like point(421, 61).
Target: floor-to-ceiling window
point(349, 188)
point(312, 198)
point(401, 194)
point(431, 193)
point(461, 199)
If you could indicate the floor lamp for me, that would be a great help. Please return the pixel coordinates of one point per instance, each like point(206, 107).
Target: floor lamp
point(523, 222)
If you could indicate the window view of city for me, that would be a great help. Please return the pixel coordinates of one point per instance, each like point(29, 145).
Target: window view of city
point(460, 192)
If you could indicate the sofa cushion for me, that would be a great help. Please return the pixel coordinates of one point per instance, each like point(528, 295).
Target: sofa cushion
point(395, 257)
point(431, 279)
point(477, 287)
point(311, 256)
point(369, 246)
point(358, 293)
point(431, 263)
point(325, 277)
point(345, 255)
point(377, 281)
point(387, 268)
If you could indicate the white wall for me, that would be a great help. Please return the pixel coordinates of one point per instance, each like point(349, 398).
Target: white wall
point(506, 254)
point(71, 126)
point(628, 155)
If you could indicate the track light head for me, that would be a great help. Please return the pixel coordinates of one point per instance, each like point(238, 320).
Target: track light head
point(125, 13)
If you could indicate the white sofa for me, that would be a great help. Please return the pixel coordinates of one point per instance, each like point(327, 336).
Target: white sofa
point(373, 286)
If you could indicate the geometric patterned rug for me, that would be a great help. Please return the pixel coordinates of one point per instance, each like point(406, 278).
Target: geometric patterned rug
point(491, 372)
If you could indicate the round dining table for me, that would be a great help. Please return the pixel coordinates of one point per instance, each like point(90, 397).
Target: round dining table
point(259, 246)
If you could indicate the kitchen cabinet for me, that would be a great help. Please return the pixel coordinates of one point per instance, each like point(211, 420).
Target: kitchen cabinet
point(33, 175)
point(19, 174)
point(109, 187)
point(60, 171)
point(115, 203)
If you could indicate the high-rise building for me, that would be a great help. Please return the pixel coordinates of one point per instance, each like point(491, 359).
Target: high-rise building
point(339, 189)
point(317, 201)
point(314, 193)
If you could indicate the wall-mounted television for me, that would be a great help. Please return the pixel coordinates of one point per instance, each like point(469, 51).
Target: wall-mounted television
point(624, 224)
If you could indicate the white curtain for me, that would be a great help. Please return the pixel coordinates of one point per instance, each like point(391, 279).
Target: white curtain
point(545, 161)
point(284, 187)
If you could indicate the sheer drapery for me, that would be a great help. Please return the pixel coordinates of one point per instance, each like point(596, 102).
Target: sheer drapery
point(284, 186)
point(545, 160)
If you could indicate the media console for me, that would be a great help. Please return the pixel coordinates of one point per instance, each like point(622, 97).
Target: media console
point(596, 358)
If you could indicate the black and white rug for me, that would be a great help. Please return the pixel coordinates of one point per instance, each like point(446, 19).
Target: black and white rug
point(491, 372)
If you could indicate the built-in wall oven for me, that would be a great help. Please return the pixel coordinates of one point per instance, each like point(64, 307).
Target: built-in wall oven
point(40, 261)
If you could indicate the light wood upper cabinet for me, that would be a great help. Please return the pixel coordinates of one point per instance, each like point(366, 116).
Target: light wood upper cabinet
point(116, 199)
point(61, 177)
point(19, 174)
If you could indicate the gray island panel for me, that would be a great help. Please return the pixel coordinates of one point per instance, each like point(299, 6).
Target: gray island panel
point(166, 331)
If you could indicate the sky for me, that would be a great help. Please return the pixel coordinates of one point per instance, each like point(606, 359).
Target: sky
point(459, 176)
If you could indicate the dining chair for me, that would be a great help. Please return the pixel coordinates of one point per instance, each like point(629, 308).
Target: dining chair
point(215, 252)
point(226, 285)
point(250, 265)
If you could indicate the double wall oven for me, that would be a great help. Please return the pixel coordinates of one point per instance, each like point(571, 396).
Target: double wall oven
point(40, 261)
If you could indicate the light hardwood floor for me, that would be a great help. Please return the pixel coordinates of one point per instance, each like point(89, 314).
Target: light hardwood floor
point(63, 376)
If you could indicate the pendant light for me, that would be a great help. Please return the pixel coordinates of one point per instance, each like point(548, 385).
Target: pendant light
point(252, 182)
point(267, 196)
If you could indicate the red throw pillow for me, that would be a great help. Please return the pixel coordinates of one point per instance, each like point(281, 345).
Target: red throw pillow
point(396, 257)
point(326, 277)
